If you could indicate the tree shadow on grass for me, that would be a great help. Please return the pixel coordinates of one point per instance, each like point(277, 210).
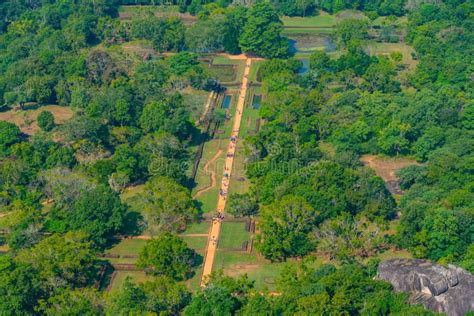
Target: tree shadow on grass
point(198, 261)
point(133, 224)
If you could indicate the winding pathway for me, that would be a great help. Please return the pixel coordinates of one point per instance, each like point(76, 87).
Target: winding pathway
point(212, 175)
point(216, 225)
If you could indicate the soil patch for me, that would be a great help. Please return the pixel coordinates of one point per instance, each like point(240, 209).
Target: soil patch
point(386, 168)
point(26, 119)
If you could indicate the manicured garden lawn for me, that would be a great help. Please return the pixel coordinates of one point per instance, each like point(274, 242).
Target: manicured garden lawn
point(223, 73)
point(222, 60)
point(239, 182)
point(197, 228)
point(308, 31)
point(208, 199)
point(225, 259)
point(254, 70)
point(263, 272)
point(127, 247)
point(249, 121)
point(233, 235)
point(136, 276)
point(196, 243)
point(320, 21)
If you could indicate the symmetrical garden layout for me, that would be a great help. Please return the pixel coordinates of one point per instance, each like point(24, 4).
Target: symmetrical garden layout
point(224, 189)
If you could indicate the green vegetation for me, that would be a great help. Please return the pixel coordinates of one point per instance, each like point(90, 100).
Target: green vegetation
point(46, 121)
point(319, 21)
point(233, 236)
point(261, 34)
point(100, 107)
point(166, 255)
point(127, 247)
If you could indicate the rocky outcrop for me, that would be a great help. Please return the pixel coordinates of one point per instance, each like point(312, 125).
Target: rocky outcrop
point(445, 290)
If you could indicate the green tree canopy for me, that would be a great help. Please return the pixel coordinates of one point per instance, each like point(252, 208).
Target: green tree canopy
point(261, 33)
point(284, 228)
point(167, 255)
point(46, 121)
point(9, 134)
point(166, 204)
point(97, 211)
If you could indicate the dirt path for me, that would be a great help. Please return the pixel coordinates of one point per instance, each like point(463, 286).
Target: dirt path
point(216, 225)
point(212, 175)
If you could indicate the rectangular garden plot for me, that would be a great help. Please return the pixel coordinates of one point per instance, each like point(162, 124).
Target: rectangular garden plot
point(233, 236)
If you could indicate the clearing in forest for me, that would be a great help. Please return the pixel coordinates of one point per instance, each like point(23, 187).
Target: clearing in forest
point(386, 168)
point(26, 119)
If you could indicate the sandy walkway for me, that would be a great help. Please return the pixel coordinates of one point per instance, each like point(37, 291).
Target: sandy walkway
point(216, 225)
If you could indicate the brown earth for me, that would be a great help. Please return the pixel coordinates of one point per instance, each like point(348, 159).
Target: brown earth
point(26, 119)
point(386, 168)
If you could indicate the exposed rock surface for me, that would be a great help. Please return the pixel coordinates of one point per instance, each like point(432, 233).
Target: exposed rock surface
point(445, 290)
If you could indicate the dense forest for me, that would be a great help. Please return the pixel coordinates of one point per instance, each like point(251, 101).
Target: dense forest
point(60, 203)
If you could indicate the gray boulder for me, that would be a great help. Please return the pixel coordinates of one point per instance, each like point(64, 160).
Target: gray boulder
point(443, 290)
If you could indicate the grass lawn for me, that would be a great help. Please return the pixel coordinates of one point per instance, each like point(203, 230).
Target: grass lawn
point(127, 247)
point(263, 272)
point(223, 73)
point(154, 8)
point(254, 70)
point(222, 60)
point(266, 274)
point(321, 21)
point(232, 236)
point(198, 228)
point(240, 183)
point(137, 277)
point(196, 243)
point(291, 31)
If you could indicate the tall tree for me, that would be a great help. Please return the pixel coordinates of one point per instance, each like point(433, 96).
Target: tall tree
point(62, 261)
point(261, 34)
point(166, 204)
point(167, 255)
point(284, 228)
